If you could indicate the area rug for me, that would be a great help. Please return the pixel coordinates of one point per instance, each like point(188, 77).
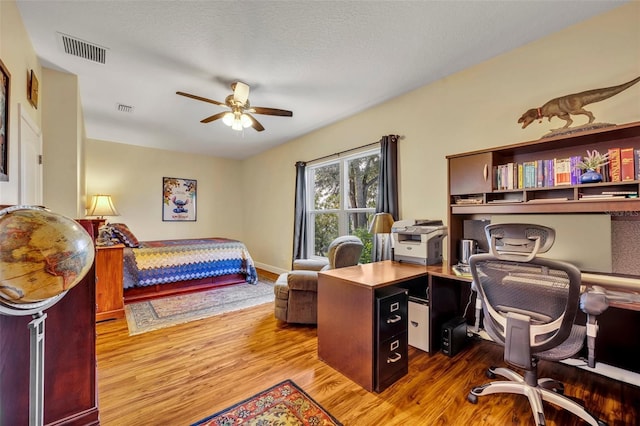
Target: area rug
point(285, 404)
point(165, 312)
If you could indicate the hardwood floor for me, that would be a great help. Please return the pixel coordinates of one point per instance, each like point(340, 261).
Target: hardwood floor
point(179, 375)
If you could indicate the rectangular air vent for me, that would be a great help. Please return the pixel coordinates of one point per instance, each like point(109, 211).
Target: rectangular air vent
point(125, 108)
point(83, 49)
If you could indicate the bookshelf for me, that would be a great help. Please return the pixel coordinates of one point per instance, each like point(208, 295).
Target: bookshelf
point(473, 192)
point(473, 200)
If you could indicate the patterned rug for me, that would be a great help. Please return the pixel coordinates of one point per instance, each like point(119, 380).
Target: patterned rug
point(169, 311)
point(285, 404)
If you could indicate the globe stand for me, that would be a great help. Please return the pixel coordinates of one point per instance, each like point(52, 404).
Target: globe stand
point(36, 350)
point(36, 369)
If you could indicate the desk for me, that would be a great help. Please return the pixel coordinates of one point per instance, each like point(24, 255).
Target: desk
point(346, 315)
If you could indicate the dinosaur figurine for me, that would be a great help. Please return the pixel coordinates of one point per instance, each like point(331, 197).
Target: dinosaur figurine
point(564, 106)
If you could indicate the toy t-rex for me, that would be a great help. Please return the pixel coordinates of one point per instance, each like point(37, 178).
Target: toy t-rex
point(564, 106)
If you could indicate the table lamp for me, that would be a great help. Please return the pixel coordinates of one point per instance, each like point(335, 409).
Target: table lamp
point(101, 206)
point(381, 228)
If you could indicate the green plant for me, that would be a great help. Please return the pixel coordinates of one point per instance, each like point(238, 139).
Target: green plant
point(593, 160)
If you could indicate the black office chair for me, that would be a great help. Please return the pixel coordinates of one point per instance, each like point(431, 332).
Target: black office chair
point(529, 306)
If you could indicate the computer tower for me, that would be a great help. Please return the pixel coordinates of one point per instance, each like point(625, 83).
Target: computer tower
point(454, 336)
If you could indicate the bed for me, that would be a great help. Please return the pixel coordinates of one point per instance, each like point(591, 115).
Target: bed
point(164, 267)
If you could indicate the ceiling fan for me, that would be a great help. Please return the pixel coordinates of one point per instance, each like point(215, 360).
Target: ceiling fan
point(240, 115)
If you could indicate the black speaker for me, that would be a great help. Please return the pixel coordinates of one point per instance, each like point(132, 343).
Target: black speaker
point(454, 336)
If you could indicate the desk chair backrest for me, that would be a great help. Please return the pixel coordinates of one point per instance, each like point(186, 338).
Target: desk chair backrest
point(529, 302)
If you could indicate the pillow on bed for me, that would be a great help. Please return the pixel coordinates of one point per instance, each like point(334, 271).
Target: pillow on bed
point(124, 234)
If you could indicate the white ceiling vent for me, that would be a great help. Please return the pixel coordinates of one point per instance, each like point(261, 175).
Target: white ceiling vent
point(83, 49)
point(124, 108)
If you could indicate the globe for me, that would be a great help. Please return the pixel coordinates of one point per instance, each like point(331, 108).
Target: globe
point(42, 255)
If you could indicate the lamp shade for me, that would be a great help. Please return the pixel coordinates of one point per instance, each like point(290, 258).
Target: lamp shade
point(101, 205)
point(381, 224)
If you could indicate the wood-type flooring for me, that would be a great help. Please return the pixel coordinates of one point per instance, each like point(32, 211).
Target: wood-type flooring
point(178, 375)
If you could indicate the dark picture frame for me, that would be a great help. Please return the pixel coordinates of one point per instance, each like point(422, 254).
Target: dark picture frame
point(179, 199)
point(5, 79)
point(33, 89)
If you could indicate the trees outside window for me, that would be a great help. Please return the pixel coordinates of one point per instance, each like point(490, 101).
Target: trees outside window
point(343, 195)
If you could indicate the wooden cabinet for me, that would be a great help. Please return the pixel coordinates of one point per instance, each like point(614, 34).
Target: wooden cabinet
point(349, 332)
point(70, 388)
point(470, 174)
point(471, 196)
point(109, 290)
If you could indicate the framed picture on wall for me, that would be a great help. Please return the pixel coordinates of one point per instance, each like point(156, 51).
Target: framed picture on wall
point(4, 121)
point(179, 199)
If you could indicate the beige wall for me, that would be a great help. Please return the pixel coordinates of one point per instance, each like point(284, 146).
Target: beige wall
point(476, 108)
point(63, 139)
point(133, 176)
point(18, 56)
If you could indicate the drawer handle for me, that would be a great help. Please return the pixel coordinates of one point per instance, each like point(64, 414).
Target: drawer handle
point(485, 172)
point(394, 319)
point(394, 359)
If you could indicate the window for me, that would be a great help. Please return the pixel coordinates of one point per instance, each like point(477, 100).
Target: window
point(342, 197)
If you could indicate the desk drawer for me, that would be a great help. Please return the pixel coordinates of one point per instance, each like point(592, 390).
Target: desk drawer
point(392, 361)
point(392, 312)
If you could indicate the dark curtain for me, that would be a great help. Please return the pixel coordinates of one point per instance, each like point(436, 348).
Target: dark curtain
point(300, 213)
point(388, 177)
point(387, 193)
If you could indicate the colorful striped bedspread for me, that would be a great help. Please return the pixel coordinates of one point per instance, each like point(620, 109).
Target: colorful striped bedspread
point(159, 262)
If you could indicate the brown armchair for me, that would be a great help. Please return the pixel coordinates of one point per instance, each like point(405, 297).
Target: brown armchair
point(297, 291)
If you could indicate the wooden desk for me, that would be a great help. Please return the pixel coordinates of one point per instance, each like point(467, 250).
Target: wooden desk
point(109, 287)
point(346, 315)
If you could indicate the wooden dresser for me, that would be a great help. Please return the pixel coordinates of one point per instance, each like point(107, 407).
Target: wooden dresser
point(109, 291)
point(70, 388)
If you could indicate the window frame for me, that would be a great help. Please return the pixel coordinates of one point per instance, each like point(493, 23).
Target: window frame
point(342, 211)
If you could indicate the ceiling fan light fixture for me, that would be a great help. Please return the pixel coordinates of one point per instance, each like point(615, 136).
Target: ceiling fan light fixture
point(228, 118)
point(237, 125)
point(245, 120)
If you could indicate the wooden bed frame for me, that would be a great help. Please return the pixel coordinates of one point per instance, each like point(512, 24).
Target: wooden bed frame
point(138, 294)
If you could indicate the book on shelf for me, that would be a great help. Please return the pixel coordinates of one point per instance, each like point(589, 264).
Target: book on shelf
point(619, 192)
point(548, 200)
point(562, 171)
point(539, 173)
point(505, 200)
point(636, 163)
point(614, 164)
point(627, 172)
point(575, 171)
point(600, 196)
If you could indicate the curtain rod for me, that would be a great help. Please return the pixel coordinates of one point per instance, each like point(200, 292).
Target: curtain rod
point(337, 154)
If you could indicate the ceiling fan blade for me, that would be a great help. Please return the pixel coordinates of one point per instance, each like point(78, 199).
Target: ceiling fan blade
point(255, 123)
point(272, 111)
point(200, 98)
point(240, 92)
point(213, 117)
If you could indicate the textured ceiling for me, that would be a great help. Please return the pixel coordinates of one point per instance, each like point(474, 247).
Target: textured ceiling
point(323, 60)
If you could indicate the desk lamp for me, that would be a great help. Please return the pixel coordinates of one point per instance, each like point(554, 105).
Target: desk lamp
point(381, 228)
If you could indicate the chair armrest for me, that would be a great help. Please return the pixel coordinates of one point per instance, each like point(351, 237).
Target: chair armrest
point(309, 264)
point(303, 280)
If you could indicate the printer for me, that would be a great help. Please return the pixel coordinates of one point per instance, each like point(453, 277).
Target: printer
point(418, 241)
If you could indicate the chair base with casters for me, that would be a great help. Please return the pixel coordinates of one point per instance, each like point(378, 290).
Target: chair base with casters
point(544, 389)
